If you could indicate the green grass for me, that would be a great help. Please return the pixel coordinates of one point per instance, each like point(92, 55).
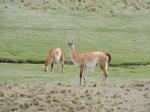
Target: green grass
point(33, 73)
point(28, 32)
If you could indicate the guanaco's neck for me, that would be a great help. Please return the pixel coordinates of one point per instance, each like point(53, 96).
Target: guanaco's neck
point(47, 60)
point(74, 56)
point(73, 52)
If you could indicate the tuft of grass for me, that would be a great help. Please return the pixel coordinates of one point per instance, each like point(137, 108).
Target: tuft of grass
point(63, 91)
point(22, 95)
point(35, 101)
point(1, 94)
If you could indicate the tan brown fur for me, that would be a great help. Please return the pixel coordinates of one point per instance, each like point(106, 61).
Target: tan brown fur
point(88, 60)
point(55, 55)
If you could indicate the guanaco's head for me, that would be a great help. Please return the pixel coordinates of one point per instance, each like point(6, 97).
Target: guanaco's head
point(71, 43)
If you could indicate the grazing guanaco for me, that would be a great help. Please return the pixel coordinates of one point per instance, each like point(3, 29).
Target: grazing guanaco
point(88, 60)
point(55, 55)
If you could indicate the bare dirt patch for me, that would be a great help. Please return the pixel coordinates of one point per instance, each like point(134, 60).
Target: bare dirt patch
point(73, 98)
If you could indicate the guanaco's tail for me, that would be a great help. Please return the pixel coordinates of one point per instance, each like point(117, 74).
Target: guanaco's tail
point(109, 56)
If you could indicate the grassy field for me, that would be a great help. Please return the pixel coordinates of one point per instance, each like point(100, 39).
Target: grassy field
point(29, 29)
point(33, 73)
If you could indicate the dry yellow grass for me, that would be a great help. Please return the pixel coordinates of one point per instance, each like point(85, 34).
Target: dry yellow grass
point(44, 97)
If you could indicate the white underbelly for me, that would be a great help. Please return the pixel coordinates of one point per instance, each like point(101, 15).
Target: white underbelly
point(91, 65)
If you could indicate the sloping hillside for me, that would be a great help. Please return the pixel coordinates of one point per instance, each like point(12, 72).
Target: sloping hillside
point(30, 28)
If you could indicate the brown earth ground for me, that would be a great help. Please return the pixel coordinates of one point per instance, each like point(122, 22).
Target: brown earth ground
point(73, 98)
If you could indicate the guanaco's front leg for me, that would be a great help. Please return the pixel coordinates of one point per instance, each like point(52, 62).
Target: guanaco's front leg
point(52, 65)
point(81, 73)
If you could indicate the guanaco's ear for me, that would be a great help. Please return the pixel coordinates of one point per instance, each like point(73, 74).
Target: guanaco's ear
point(73, 40)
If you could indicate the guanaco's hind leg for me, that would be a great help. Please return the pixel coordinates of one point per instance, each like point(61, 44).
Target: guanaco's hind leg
point(104, 73)
point(62, 67)
point(84, 76)
point(62, 63)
